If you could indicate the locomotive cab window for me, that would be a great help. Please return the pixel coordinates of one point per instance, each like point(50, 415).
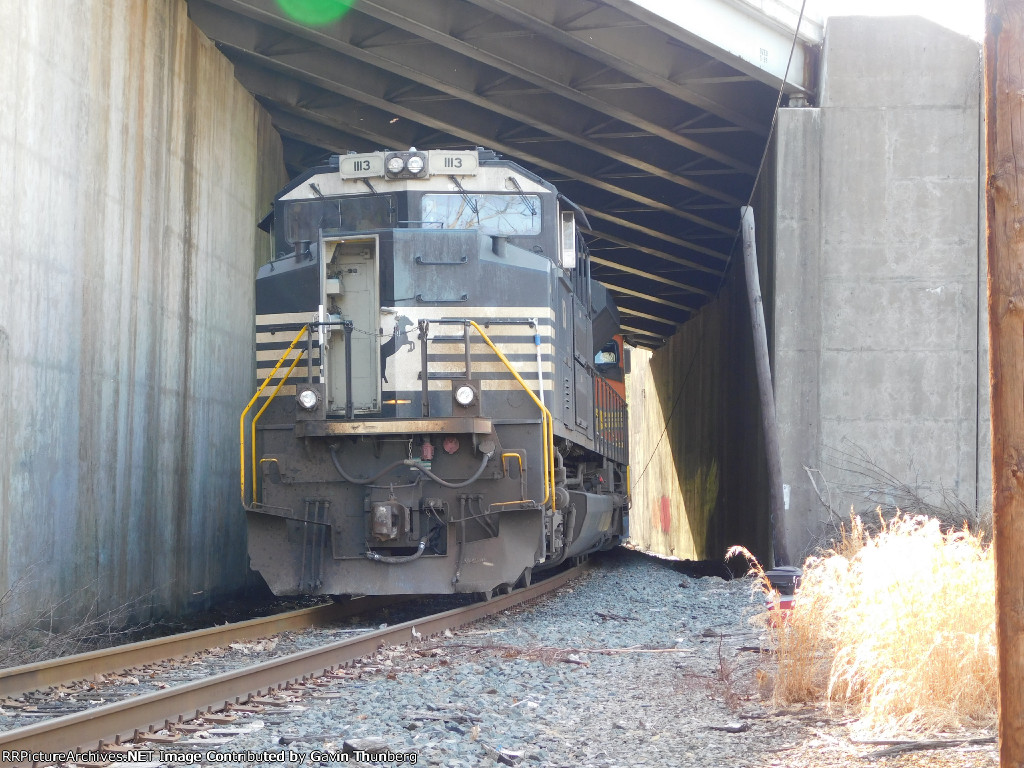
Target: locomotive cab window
point(305, 220)
point(567, 241)
point(499, 215)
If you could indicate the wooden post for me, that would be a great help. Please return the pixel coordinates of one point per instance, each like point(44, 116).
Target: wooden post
point(764, 388)
point(1004, 101)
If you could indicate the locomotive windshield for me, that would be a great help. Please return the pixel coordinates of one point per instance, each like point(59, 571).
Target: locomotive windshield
point(500, 215)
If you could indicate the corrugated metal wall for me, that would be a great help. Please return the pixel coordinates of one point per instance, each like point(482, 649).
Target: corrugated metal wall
point(133, 168)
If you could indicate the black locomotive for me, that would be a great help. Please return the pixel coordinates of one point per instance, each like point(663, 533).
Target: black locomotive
point(441, 403)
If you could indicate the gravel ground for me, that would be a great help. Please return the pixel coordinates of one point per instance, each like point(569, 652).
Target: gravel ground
point(632, 665)
point(37, 706)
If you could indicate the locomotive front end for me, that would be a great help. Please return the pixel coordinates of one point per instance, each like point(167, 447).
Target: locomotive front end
point(412, 332)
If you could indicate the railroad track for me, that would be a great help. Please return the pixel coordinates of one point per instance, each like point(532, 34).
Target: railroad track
point(111, 727)
point(32, 677)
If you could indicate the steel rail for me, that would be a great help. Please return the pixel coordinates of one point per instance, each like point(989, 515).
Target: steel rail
point(43, 674)
point(93, 728)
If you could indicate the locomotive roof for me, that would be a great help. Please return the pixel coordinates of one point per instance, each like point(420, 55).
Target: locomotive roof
point(486, 159)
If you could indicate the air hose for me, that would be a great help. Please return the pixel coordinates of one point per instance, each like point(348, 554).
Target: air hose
point(398, 560)
point(414, 465)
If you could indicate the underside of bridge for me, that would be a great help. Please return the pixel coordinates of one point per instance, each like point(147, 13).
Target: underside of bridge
point(654, 125)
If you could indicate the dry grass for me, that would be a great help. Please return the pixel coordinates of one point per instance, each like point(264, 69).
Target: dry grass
point(899, 625)
point(856, 478)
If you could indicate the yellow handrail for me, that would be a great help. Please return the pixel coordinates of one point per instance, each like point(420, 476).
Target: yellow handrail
point(547, 422)
point(241, 420)
point(513, 455)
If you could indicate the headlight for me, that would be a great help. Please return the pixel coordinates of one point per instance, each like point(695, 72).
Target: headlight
point(414, 164)
point(465, 395)
point(395, 164)
point(308, 399)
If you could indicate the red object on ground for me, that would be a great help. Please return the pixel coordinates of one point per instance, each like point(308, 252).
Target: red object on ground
point(780, 614)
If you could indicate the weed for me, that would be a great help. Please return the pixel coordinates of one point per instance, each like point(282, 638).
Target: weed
point(28, 636)
point(725, 677)
point(899, 625)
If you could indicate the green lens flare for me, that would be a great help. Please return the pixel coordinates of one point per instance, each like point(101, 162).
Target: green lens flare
point(315, 13)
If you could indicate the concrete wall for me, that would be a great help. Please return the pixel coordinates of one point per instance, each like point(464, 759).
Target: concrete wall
point(699, 476)
point(134, 168)
point(879, 337)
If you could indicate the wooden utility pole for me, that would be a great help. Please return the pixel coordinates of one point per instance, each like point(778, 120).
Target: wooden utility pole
point(765, 390)
point(1004, 104)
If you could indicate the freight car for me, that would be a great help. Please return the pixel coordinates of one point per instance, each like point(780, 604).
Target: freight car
point(441, 404)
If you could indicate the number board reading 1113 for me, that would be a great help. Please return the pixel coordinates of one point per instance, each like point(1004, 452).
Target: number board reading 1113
point(438, 162)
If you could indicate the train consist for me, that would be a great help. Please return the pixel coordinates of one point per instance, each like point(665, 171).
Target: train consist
point(441, 407)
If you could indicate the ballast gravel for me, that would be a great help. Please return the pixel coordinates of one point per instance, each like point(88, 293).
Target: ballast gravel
point(619, 668)
point(37, 706)
point(633, 664)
